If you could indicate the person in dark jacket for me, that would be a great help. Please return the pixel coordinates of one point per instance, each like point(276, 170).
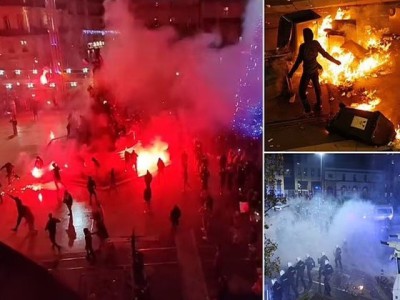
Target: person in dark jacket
point(338, 257)
point(56, 175)
point(10, 174)
point(321, 262)
point(148, 178)
point(327, 273)
point(284, 281)
point(175, 215)
point(91, 187)
point(51, 227)
point(308, 53)
point(277, 292)
point(291, 275)
point(300, 267)
point(310, 264)
point(68, 200)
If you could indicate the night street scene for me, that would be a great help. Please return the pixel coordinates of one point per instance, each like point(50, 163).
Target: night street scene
point(331, 75)
point(332, 226)
point(131, 160)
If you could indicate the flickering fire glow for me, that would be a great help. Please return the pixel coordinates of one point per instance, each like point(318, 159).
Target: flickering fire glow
point(376, 56)
point(149, 155)
point(43, 78)
point(52, 136)
point(37, 173)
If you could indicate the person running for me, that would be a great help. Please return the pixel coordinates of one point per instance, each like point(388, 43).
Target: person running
point(68, 200)
point(51, 227)
point(56, 175)
point(39, 162)
point(91, 187)
point(10, 173)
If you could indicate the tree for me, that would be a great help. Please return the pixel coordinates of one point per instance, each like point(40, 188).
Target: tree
point(273, 167)
point(248, 112)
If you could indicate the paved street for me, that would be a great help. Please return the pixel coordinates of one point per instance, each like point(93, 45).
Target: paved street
point(178, 263)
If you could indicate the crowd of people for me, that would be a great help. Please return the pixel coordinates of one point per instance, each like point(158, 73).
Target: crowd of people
point(291, 283)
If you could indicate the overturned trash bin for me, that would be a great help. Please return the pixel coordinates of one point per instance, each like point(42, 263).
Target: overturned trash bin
point(372, 128)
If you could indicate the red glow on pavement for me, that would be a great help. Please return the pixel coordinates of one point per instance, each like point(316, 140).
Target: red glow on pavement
point(37, 173)
point(149, 155)
point(43, 78)
point(52, 135)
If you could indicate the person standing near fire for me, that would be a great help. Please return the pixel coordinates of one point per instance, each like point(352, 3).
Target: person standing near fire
point(308, 53)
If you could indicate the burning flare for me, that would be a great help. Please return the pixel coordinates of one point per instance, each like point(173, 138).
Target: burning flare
point(37, 173)
point(43, 78)
point(52, 135)
point(149, 155)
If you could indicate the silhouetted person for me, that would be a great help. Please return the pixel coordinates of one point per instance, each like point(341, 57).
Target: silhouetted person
point(338, 257)
point(56, 175)
point(160, 166)
point(310, 264)
point(327, 272)
point(51, 227)
point(291, 275)
point(205, 176)
point(35, 109)
point(308, 53)
point(134, 158)
point(10, 174)
point(68, 200)
point(277, 292)
point(101, 229)
point(148, 178)
point(147, 198)
point(321, 262)
point(14, 124)
point(175, 216)
point(91, 187)
point(89, 245)
point(20, 210)
point(127, 158)
point(113, 180)
point(300, 267)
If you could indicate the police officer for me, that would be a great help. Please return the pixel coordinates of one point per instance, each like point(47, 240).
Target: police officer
point(310, 264)
point(291, 274)
point(321, 262)
point(277, 292)
point(300, 267)
point(338, 257)
point(284, 281)
point(327, 272)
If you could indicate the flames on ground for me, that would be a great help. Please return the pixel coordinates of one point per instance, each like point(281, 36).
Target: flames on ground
point(148, 156)
point(369, 56)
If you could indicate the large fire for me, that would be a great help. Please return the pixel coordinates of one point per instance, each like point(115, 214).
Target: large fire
point(364, 58)
point(148, 156)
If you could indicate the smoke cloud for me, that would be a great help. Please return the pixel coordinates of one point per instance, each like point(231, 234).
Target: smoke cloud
point(315, 226)
point(155, 71)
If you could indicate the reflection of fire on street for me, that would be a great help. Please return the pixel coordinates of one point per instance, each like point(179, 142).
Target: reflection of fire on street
point(149, 155)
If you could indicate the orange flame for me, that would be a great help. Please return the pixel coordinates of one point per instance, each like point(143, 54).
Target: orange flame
point(352, 68)
point(149, 155)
